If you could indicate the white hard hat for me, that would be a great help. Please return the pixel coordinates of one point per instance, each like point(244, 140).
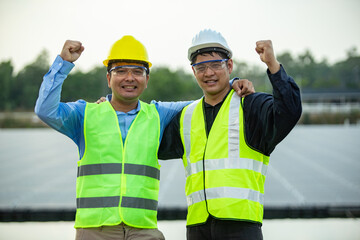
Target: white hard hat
point(208, 40)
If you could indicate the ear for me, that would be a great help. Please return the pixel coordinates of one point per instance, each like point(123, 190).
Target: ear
point(230, 65)
point(147, 80)
point(193, 71)
point(108, 76)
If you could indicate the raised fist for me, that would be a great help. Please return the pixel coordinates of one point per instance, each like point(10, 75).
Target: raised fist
point(265, 49)
point(71, 50)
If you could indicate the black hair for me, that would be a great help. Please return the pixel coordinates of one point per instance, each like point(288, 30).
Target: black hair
point(220, 51)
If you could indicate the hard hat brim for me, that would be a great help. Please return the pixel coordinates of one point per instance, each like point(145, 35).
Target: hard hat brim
point(195, 49)
point(106, 62)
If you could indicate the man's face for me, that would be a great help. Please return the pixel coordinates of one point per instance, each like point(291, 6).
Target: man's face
point(213, 81)
point(127, 84)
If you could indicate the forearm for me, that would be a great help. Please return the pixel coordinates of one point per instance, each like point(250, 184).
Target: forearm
point(50, 89)
point(286, 94)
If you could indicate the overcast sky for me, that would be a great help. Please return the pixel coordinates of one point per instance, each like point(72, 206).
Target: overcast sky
point(326, 27)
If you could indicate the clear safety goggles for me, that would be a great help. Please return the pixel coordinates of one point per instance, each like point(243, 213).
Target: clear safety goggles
point(214, 65)
point(122, 71)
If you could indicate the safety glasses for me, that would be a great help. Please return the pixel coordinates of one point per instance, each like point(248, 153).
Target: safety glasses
point(214, 65)
point(122, 71)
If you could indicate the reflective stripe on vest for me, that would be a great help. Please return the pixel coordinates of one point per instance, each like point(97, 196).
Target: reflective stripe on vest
point(238, 164)
point(105, 202)
point(226, 163)
point(116, 168)
point(118, 182)
point(225, 192)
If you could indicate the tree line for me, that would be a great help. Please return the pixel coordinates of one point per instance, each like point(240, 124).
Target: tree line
point(19, 91)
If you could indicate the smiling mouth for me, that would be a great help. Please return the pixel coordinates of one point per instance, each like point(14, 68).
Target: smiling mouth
point(211, 81)
point(129, 87)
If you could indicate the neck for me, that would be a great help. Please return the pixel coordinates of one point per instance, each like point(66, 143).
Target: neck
point(123, 106)
point(214, 99)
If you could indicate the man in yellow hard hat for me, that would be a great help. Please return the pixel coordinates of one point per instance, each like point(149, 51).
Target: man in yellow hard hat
point(225, 141)
point(118, 172)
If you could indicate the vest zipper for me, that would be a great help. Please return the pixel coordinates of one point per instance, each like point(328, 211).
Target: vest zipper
point(203, 160)
point(123, 177)
point(204, 180)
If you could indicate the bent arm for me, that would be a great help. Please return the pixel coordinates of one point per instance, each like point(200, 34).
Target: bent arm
point(270, 118)
point(63, 117)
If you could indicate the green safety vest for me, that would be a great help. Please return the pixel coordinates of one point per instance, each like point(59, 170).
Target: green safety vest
point(224, 176)
point(118, 182)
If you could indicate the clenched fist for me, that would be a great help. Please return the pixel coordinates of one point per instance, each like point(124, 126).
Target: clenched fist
point(265, 49)
point(71, 50)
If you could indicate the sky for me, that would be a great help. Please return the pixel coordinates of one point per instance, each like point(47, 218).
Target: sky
point(328, 28)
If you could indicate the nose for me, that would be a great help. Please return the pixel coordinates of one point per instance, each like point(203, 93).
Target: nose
point(208, 71)
point(129, 75)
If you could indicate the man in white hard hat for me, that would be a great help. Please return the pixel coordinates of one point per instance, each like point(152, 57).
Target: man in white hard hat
point(118, 171)
point(225, 141)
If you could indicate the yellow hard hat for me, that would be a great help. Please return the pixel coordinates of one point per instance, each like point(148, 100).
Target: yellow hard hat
point(128, 48)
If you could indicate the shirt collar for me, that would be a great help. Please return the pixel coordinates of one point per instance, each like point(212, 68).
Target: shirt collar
point(220, 103)
point(134, 111)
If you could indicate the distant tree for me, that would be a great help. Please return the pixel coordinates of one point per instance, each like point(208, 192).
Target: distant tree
point(167, 85)
point(307, 72)
point(288, 61)
point(306, 68)
point(348, 72)
point(254, 73)
point(352, 52)
point(27, 82)
point(324, 78)
point(89, 86)
point(6, 80)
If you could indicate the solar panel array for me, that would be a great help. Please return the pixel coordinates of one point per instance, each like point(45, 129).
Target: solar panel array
point(314, 166)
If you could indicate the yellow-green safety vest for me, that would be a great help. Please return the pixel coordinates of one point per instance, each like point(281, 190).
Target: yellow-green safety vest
point(118, 182)
point(224, 176)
